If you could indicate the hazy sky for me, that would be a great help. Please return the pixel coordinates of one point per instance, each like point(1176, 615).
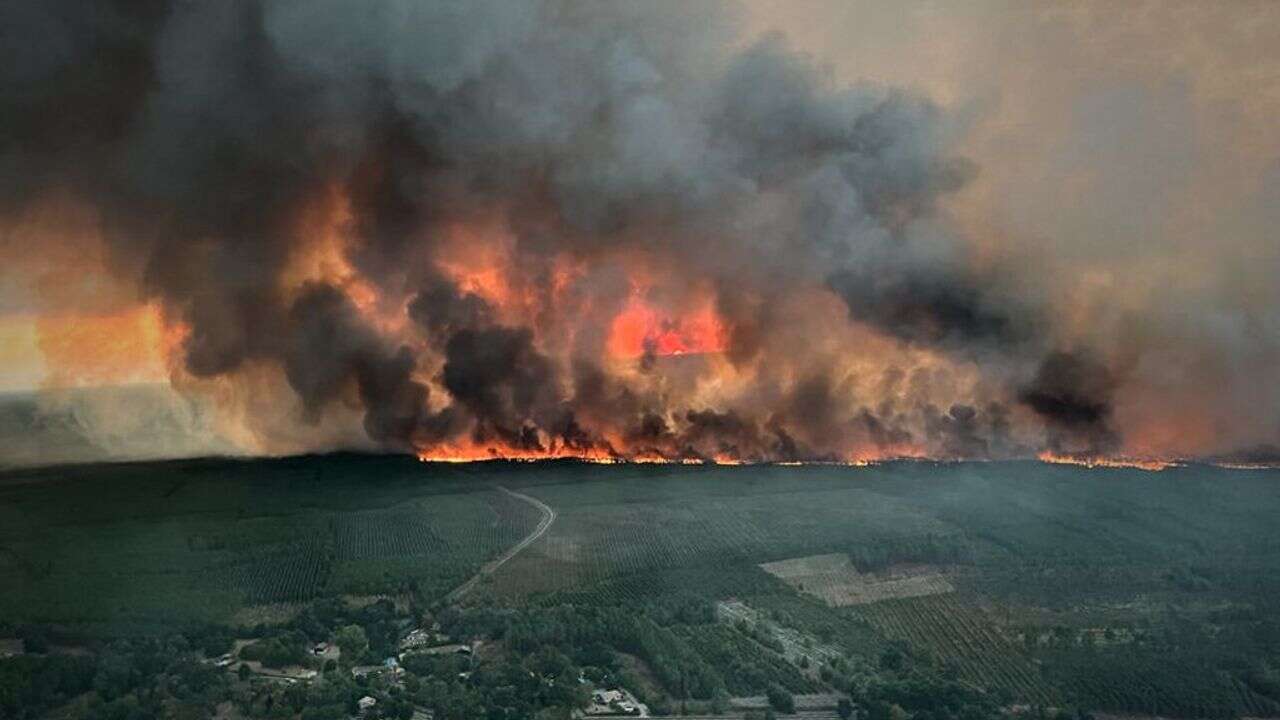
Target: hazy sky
point(1128, 158)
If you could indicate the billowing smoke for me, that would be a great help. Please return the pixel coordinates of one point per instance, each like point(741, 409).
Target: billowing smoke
point(539, 228)
point(1073, 395)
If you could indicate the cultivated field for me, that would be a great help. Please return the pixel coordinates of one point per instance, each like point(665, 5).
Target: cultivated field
point(835, 580)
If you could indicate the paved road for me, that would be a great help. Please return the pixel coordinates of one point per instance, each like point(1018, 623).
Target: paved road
point(548, 517)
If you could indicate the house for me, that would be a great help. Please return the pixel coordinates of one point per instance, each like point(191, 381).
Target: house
point(614, 702)
point(608, 697)
point(415, 638)
point(422, 638)
point(320, 648)
point(366, 704)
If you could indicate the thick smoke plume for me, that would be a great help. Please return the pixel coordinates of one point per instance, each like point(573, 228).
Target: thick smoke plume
point(530, 229)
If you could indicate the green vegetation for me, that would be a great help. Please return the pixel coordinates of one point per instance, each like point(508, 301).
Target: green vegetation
point(1066, 590)
point(144, 547)
point(958, 636)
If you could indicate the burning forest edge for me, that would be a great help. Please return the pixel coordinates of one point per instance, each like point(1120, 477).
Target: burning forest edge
point(571, 230)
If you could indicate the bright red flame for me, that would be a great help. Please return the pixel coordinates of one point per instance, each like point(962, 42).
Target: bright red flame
point(640, 329)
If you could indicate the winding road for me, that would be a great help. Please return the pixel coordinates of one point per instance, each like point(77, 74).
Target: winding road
point(548, 517)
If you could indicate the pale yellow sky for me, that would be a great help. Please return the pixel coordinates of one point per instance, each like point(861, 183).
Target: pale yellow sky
point(22, 364)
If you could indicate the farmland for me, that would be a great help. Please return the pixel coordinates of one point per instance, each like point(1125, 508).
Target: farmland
point(835, 580)
point(1108, 589)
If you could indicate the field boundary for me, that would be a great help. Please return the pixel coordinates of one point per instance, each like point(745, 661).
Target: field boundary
point(548, 517)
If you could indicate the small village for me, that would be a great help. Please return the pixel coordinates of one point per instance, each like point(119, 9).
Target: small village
point(387, 681)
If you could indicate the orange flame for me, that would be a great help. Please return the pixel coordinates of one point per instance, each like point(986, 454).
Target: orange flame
point(1149, 464)
point(640, 328)
point(606, 453)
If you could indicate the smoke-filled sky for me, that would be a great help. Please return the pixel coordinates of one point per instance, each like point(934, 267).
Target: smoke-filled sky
point(641, 230)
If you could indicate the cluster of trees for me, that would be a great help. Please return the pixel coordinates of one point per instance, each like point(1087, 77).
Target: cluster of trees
point(123, 680)
point(335, 696)
point(583, 631)
point(382, 625)
point(277, 651)
point(32, 685)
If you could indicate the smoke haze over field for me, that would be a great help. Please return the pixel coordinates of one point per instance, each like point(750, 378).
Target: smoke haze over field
point(649, 230)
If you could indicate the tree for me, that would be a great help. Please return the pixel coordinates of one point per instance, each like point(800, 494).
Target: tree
point(353, 643)
point(891, 659)
point(780, 699)
point(720, 702)
point(844, 709)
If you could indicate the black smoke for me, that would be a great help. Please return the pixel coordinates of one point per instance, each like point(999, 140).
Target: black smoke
point(1072, 392)
point(202, 133)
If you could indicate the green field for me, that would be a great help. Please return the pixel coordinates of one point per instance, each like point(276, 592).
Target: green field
point(1108, 589)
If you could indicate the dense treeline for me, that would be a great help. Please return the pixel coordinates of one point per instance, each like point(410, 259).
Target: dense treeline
point(124, 680)
point(32, 685)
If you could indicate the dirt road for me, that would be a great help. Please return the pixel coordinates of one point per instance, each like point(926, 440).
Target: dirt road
point(548, 517)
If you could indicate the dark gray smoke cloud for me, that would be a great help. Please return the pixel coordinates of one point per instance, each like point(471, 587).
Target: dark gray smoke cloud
point(202, 132)
point(330, 348)
point(1072, 392)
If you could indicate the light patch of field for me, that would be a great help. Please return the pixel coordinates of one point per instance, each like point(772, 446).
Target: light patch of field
point(267, 614)
point(795, 644)
point(833, 579)
point(564, 549)
point(804, 701)
point(361, 601)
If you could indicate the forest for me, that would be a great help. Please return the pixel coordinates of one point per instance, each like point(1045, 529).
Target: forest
point(925, 590)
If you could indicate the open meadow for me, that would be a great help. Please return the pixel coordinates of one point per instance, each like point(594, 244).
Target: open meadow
point(1109, 589)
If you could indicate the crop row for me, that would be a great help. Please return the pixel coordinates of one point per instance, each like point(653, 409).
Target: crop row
point(401, 533)
point(294, 572)
point(961, 635)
